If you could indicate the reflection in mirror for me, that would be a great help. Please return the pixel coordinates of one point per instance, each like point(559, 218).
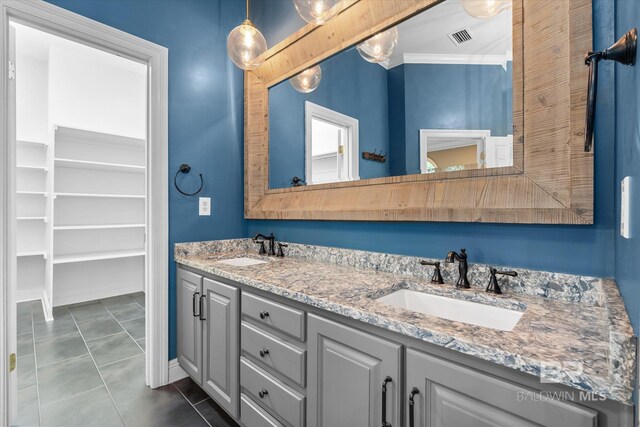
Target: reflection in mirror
point(441, 102)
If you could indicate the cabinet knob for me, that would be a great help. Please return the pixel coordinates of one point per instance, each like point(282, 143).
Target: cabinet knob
point(262, 393)
point(264, 314)
point(264, 352)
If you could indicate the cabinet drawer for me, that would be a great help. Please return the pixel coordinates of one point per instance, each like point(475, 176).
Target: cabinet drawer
point(285, 402)
point(274, 352)
point(278, 316)
point(254, 416)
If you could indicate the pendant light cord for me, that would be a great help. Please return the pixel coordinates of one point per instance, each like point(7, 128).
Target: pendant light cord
point(247, 9)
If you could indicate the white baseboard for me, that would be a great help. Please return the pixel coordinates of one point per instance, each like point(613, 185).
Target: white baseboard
point(46, 307)
point(93, 294)
point(30, 295)
point(176, 372)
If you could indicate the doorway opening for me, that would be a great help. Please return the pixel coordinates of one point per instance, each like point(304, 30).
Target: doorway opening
point(67, 171)
point(81, 138)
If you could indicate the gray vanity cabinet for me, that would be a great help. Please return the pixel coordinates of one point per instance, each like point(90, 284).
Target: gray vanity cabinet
point(220, 332)
point(189, 290)
point(208, 336)
point(452, 395)
point(346, 371)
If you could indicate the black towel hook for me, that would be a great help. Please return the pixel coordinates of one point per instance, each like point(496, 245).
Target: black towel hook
point(185, 168)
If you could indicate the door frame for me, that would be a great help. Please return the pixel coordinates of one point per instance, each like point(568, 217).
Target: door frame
point(61, 22)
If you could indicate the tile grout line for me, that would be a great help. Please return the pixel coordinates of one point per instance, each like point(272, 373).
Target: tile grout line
point(121, 360)
point(106, 336)
point(73, 396)
point(98, 369)
point(192, 405)
point(131, 336)
point(35, 366)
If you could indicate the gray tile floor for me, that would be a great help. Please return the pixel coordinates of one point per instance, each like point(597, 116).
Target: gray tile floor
point(86, 368)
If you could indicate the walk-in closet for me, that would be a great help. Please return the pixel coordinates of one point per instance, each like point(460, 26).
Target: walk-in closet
point(80, 171)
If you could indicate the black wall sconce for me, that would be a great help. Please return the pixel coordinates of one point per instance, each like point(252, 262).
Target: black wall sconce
point(185, 168)
point(624, 52)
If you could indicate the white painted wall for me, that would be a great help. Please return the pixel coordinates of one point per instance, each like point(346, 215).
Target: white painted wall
point(60, 82)
point(93, 90)
point(32, 97)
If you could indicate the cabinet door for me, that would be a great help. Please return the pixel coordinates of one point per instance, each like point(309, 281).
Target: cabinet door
point(189, 289)
point(452, 395)
point(346, 369)
point(220, 330)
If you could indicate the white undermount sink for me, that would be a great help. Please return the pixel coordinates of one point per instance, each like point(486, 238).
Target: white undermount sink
point(483, 315)
point(242, 262)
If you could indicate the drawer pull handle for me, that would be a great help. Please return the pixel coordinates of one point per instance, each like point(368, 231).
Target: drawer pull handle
point(414, 391)
point(386, 380)
point(264, 314)
point(264, 352)
point(262, 393)
point(195, 296)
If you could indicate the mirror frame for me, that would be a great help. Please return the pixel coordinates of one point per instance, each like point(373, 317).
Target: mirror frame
point(551, 181)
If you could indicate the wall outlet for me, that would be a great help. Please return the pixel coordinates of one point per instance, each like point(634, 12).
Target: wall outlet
point(205, 206)
point(625, 207)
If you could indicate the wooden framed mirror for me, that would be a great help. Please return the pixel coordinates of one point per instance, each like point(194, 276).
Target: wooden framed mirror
point(550, 179)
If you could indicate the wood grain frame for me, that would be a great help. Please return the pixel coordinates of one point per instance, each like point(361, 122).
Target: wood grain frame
point(551, 181)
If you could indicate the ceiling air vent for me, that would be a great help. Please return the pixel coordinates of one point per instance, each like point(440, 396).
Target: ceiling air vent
point(460, 37)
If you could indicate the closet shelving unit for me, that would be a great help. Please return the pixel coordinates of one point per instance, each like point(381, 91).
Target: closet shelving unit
point(32, 176)
point(98, 203)
point(81, 217)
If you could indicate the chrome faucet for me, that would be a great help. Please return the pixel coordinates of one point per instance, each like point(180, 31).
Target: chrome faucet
point(261, 238)
point(463, 267)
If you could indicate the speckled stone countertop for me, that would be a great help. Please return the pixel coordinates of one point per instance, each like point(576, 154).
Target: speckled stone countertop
point(574, 329)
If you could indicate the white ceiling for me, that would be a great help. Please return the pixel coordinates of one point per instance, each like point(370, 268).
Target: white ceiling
point(424, 38)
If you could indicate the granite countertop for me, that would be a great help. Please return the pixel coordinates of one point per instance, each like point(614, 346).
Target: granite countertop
point(574, 330)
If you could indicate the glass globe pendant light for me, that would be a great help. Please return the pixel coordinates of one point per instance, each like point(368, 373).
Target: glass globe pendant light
point(246, 45)
point(317, 11)
point(379, 47)
point(484, 9)
point(308, 80)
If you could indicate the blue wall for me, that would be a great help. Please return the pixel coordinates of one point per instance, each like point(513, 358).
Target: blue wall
point(275, 20)
point(350, 86)
point(627, 267)
point(397, 127)
point(392, 106)
point(452, 96)
point(563, 248)
point(205, 109)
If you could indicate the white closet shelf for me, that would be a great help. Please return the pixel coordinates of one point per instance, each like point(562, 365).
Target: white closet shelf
point(32, 193)
point(32, 218)
point(86, 164)
point(96, 256)
point(88, 136)
point(36, 143)
point(96, 226)
point(32, 253)
point(104, 196)
point(40, 168)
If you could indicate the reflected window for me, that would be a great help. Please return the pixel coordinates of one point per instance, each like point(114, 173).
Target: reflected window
point(331, 150)
point(431, 165)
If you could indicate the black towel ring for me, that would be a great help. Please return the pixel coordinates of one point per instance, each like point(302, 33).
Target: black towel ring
point(185, 168)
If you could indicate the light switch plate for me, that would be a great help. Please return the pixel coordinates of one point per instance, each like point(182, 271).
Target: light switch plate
point(625, 207)
point(205, 206)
